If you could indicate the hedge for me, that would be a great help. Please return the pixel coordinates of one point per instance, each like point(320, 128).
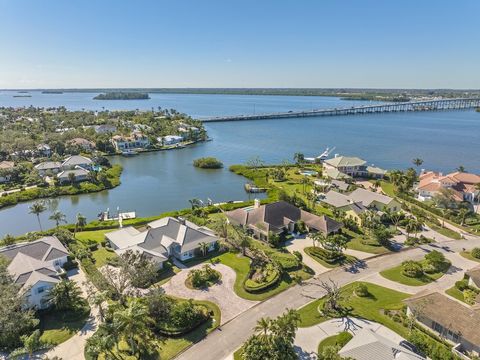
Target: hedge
point(176, 332)
point(260, 287)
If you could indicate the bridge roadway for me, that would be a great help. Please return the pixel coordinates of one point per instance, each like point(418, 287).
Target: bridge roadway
point(424, 105)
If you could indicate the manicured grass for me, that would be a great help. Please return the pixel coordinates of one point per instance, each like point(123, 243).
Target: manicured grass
point(97, 235)
point(101, 256)
point(59, 326)
point(346, 259)
point(454, 292)
point(468, 255)
point(387, 188)
point(445, 231)
point(356, 244)
point(339, 340)
point(370, 307)
point(395, 274)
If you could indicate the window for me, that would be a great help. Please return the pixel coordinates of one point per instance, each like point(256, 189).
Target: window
point(41, 289)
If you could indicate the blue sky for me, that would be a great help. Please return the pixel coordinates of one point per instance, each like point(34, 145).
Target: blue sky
point(242, 43)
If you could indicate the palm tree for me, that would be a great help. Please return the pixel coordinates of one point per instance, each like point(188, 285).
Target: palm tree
point(204, 248)
point(58, 217)
point(37, 208)
point(318, 237)
point(462, 214)
point(263, 326)
point(461, 168)
point(80, 223)
point(417, 162)
point(304, 183)
point(8, 240)
point(298, 158)
point(71, 178)
point(134, 323)
point(103, 342)
point(65, 295)
point(195, 203)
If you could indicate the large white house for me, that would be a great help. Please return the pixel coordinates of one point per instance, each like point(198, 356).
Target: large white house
point(36, 267)
point(164, 238)
point(77, 165)
point(135, 141)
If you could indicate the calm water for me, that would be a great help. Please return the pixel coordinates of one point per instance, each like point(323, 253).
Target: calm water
point(157, 182)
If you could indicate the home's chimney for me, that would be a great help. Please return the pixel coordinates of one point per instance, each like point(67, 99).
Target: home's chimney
point(181, 220)
point(256, 204)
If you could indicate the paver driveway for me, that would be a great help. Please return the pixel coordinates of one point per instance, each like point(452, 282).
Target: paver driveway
point(221, 294)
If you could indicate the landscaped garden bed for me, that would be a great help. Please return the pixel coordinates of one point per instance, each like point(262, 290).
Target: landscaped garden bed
point(418, 273)
point(202, 278)
point(327, 258)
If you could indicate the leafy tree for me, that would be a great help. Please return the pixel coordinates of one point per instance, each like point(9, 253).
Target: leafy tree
point(417, 162)
point(436, 259)
point(15, 321)
point(58, 217)
point(65, 295)
point(37, 208)
point(141, 271)
point(8, 239)
point(31, 343)
point(299, 158)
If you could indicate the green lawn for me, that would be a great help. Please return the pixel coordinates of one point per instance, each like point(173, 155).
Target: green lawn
point(340, 340)
point(468, 255)
point(395, 274)
point(454, 292)
point(347, 259)
point(387, 188)
point(59, 326)
point(370, 308)
point(101, 256)
point(97, 235)
point(445, 231)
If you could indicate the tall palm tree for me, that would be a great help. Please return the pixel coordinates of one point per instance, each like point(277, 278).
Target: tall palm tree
point(263, 326)
point(417, 162)
point(80, 223)
point(461, 168)
point(37, 208)
point(58, 217)
point(134, 323)
point(8, 239)
point(195, 203)
point(204, 248)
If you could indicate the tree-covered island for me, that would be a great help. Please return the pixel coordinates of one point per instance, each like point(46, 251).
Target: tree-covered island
point(121, 95)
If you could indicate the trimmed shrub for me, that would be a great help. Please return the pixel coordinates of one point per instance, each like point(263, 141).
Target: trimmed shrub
point(253, 286)
point(475, 253)
point(462, 284)
point(298, 255)
point(361, 290)
point(412, 269)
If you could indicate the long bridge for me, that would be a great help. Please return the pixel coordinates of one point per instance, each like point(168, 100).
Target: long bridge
point(424, 105)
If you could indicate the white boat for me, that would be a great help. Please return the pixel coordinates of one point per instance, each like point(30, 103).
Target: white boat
point(323, 156)
point(129, 152)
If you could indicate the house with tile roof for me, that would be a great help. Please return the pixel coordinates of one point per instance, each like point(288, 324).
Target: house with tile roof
point(163, 238)
point(450, 319)
point(36, 267)
point(279, 217)
point(463, 185)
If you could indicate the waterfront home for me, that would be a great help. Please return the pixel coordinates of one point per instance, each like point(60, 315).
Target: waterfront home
point(279, 217)
point(463, 185)
point(82, 143)
point(351, 166)
point(36, 267)
point(5, 167)
point(473, 276)
point(341, 202)
point(164, 238)
point(343, 167)
point(170, 139)
point(105, 129)
point(368, 345)
point(77, 174)
point(134, 141)
point(44, 150)
point(374, 200)
point(74, 161)
point(48, 167)
point(450, 319)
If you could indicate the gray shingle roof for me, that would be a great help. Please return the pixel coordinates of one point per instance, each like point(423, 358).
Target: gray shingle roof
point(48, 165)
point(367, 345)
point(76, 160)
point(345, 161)
point(366, 197)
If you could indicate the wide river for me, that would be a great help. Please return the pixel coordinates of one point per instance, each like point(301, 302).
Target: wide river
point(162, 181)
